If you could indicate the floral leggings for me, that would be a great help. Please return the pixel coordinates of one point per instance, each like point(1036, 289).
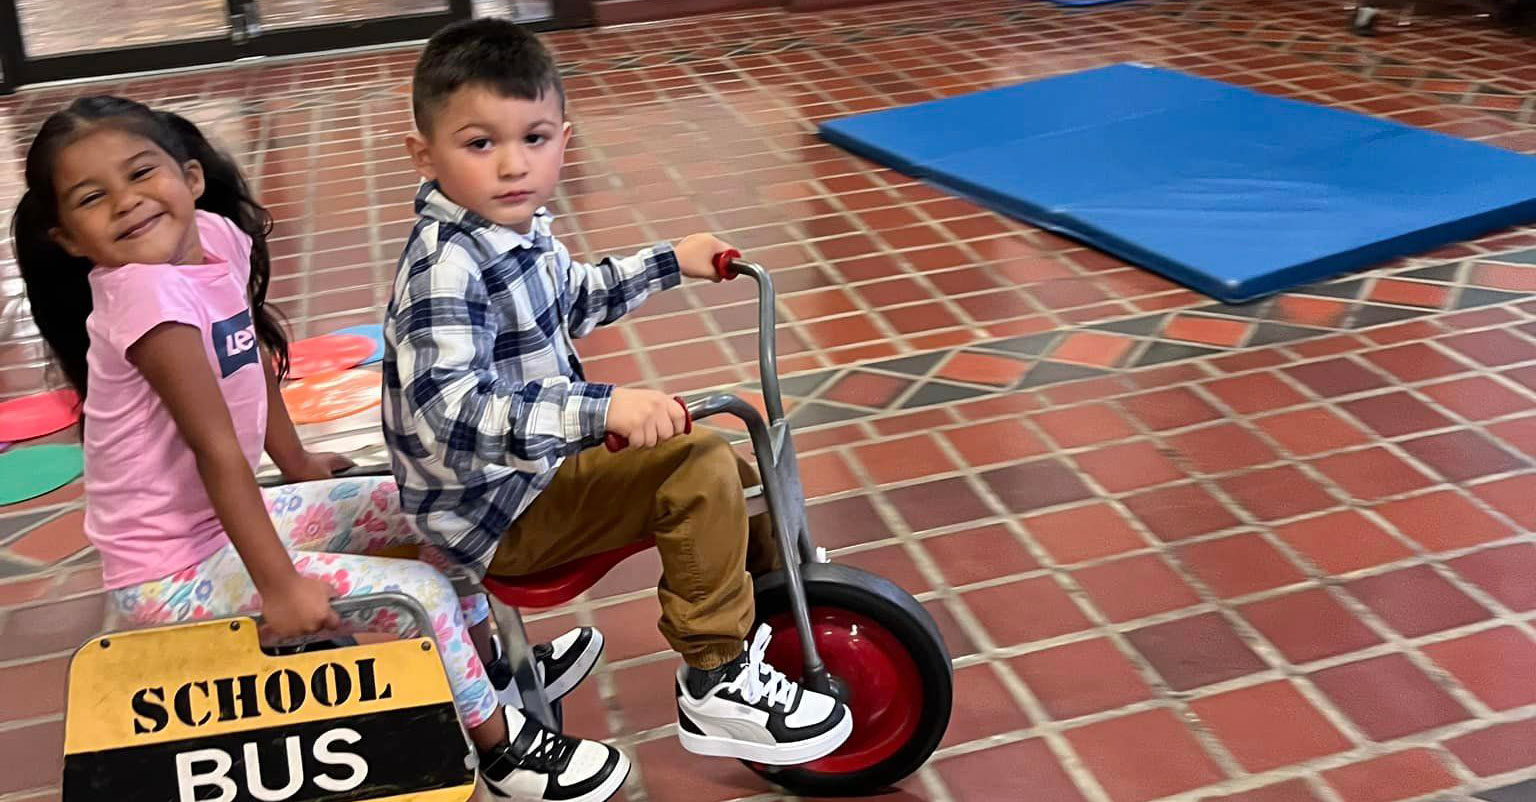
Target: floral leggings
point(328, 526)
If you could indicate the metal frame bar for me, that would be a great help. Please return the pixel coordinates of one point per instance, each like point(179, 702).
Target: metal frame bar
point(129, 59)
point(344, 605)
point(11, 53)
point(781, 486)
point(573, 13)
point(778, 465)
point(767, 336)
point(371, 601)
point(519, 652)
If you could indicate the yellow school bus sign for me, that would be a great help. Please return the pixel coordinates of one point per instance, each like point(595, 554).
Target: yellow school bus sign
point(198, 713)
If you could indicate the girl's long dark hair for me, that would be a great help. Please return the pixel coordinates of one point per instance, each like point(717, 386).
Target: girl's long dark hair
point(57, 285)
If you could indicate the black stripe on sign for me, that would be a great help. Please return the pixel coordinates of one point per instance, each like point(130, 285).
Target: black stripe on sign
point(397, 752)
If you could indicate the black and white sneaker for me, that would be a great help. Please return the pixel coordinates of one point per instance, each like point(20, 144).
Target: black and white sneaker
point(562, 663)
point(543, 765)
point(753, 712)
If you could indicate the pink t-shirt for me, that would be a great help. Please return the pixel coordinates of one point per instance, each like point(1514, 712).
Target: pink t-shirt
point(145, 507)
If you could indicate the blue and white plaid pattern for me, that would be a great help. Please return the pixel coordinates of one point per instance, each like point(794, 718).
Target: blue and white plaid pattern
point(484, 396)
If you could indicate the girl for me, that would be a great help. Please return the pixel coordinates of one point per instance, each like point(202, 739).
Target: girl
point(145, 262)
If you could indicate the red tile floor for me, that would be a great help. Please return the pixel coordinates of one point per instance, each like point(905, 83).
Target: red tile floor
point(1179, 550)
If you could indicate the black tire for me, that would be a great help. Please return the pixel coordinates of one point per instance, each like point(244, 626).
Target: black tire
point(844, 588)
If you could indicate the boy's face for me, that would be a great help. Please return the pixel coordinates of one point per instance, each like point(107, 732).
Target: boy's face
point(499, 157)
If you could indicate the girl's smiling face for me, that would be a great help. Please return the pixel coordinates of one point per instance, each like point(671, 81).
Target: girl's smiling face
point(123, 200)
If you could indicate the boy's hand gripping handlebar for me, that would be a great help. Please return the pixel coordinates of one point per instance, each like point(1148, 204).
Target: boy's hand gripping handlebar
point(724, 262)
point(618, 442)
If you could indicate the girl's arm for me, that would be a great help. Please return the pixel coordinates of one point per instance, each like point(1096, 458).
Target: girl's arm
point(172, 360)
point(283, 443)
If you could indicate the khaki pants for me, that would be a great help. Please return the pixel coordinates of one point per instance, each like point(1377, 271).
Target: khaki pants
point(687, 494)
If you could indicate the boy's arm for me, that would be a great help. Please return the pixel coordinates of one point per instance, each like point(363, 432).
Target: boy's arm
point(604, 292)
point(463, 410)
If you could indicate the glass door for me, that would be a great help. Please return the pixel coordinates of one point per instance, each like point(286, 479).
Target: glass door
point(277, 15)
point(539, 14)
point(51, 28)
point(281, 27)
point(50, 40)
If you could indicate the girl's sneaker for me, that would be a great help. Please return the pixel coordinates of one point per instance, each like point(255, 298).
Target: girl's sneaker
point(562, 663)
point(540, 765)
point(749, 710)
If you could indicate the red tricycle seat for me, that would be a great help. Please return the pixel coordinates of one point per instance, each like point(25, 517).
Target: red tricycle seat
point(562, 583)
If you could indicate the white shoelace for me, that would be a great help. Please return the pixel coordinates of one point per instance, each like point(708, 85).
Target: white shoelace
point(759, 679)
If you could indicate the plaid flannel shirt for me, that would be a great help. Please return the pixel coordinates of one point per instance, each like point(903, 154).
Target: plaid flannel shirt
point(484, 396)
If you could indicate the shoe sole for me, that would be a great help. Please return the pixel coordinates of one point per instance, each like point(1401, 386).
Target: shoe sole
point(579, 671)
point(601, 793)
point(781, 755)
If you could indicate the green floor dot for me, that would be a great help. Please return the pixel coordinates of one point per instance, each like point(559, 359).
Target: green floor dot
point(32, 471)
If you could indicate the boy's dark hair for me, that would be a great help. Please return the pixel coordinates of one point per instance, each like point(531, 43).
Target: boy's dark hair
point(57, 285)
point(496, 54)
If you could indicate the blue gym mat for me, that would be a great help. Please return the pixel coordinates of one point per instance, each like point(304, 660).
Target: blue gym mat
point(1228, 191)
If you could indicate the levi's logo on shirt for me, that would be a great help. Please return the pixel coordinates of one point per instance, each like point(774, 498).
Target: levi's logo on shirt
point(234, 340)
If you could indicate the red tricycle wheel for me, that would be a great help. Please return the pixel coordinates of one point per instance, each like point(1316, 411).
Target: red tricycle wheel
point(886, 652)
point(876, 671)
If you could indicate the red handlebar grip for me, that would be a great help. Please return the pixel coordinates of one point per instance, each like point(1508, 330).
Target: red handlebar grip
point(722, 262)
point(618, 442)
point(687, 416)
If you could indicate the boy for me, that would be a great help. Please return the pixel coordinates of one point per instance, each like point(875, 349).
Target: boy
point(494, 432)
